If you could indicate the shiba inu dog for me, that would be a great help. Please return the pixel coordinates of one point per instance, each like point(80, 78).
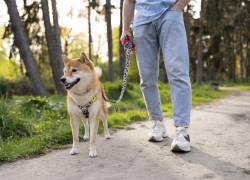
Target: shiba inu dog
point(85, 100)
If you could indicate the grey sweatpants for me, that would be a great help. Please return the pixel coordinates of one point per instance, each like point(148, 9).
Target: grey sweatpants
point(167, 32)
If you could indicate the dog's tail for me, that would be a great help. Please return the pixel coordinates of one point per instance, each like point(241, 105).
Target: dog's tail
point(105, 97)
point(98, 71)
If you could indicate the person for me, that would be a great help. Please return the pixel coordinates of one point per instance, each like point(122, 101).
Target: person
point(159, 25)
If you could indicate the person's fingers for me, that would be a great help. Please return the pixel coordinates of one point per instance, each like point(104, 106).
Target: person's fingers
point(123, 36)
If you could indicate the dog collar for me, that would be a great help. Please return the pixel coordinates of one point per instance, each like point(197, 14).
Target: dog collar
point(81, 94)
point(85, 108)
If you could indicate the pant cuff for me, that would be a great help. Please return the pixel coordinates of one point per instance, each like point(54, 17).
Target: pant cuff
point(156, 118)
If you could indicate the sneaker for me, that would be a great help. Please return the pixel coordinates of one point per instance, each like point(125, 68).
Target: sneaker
point(181, 142)
point(158, 132)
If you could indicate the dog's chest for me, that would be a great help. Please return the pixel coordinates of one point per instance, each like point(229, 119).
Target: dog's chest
point(89, 112)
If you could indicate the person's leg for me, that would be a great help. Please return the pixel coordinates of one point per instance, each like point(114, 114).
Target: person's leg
point(174, 46)
point(175, 52)
point(147, 50)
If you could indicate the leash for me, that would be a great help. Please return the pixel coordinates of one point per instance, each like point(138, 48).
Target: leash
point(129, 47)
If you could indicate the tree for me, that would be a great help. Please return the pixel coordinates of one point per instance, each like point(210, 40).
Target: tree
point(54, 42)
point(30, 18)
point(89, 29)
point(199, 67)
point(22, 42)
point(121, 49)
point(109, 39)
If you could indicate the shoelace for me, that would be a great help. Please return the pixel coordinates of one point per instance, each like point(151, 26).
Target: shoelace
point(154, 129)
point(181, 133)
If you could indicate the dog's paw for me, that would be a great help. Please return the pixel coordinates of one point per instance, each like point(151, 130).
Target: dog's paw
point(85, 138)
point(73, 151)
point(107, 136)
point(92, 154)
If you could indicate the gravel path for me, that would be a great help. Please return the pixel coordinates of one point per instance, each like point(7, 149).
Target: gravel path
point(220, 136)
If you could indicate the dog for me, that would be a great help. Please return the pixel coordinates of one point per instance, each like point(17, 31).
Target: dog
point(86, 100)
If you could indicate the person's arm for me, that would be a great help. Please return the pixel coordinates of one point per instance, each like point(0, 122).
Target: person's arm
point(127, 16)
point(180, 5)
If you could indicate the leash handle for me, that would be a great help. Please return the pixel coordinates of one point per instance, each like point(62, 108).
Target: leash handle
point(128, 43)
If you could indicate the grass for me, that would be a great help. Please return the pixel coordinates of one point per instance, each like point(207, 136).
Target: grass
point(31, 126)
point(245, 86)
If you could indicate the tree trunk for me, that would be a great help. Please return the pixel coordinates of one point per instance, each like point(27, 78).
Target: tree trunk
point(241, 58)
point(54, 43)
point(21, 41)
point(109, 39)
point(248, 60)
point(248, 42)
point(199, 67)
point(234, 59)
point(89, 30)
point(121, 49)
point(57, 32)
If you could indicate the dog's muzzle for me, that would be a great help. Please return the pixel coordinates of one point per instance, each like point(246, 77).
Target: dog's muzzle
point(69, 85)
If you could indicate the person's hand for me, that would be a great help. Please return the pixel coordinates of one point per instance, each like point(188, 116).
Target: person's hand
point(124, 34)
point(176, 7)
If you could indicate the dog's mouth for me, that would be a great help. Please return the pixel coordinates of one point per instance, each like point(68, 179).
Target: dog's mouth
point(70, 85)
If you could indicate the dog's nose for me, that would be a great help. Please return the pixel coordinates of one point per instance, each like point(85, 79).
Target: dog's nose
point(63, 79)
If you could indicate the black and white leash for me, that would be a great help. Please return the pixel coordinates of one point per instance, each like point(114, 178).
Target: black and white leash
point(128, 49)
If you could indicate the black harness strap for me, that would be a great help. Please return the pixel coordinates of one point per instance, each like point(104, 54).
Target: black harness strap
point(85, 108)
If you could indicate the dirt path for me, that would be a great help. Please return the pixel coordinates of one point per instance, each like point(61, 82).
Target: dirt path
point(220, 135)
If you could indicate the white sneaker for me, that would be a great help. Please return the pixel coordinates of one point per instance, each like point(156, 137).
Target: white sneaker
point(158, 132)
point(181, 142)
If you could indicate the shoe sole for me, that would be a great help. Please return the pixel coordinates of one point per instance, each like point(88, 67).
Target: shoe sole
point(164, 135)
point(153, 139)
point(177, 149)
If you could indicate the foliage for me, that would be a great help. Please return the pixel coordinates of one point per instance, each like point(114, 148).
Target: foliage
point(4, 88)
point(225, 41)
point(8, 68)
point(11, 124)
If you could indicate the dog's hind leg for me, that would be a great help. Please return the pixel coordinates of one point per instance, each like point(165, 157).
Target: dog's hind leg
point(74, 123)
point(104, 119)
point(86, 130)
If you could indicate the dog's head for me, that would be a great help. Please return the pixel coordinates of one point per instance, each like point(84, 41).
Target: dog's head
point(78, 73)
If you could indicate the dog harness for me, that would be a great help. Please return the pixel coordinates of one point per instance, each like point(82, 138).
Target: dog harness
point(85, 108)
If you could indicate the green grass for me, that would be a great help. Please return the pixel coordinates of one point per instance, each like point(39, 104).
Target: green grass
point(245, 86)
point(31, 126)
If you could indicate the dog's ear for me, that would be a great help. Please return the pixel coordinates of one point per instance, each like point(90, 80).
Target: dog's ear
point(86, 60)
point(83, 58)
point(65, 59)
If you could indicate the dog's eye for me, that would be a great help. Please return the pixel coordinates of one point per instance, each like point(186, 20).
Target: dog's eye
point(74, 70)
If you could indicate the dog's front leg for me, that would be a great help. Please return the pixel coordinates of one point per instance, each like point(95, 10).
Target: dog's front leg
point(94, 123)
point(74, 123)
point(86, 130)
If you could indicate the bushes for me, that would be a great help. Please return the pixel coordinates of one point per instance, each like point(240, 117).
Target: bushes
point(17, 87)
point(11, 124)
point(4, 87)
point(26, 116)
